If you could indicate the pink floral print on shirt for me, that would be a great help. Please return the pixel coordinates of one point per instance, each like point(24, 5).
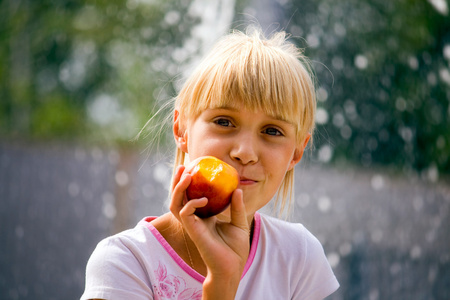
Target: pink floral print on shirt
point(173, 287)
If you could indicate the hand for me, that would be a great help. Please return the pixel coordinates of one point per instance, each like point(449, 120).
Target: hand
point(223, 246)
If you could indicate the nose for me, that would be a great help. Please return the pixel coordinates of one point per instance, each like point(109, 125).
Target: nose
point(244, 149)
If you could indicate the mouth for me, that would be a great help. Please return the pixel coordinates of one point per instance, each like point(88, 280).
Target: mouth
point(246, 181)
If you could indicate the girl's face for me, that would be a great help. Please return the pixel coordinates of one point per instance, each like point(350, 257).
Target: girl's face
point(262, 148)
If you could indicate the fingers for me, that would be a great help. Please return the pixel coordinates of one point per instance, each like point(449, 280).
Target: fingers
point(177, 175)
point(189, 208)
point(179, 206)
point(238, 214)
point(180, 183)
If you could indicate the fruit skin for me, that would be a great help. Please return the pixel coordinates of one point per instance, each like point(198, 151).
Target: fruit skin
point(214, 179)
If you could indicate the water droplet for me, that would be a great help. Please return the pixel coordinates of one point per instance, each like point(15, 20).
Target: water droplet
point(413, 63)
point(325, 153)
point(446, 51)
point(313, 40)
point(440, 5)
point(376, 235)
point(334, 259)
point(172, 17)
point(324, 204)
point(377, 182)
point(322, 94)
point(415, 252)
point(20, 232)
point(345, 249)
point(400, 104)
point(121, 178)
point(406, 133)
point(444, 74)
point(431, 174)
point(161, 173)
point(338, 120)
point(321, 116)
point(374, 294)
point(339, 29)
point(109, 210)
point(73, 189)
point(361, 62)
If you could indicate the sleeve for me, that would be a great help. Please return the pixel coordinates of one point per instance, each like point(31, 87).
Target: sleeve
point(114, 272)
point(317, 279)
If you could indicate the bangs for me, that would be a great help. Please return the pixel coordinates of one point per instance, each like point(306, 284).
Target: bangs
point(254, 75)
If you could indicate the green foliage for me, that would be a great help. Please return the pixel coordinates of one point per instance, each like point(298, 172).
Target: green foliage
point(56, 118)
point(65, 65)
point(97, 70)
point(384, 80)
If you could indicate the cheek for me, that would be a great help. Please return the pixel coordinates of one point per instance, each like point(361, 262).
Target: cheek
point(280, 157)
point(202, 144)
point(279, 164)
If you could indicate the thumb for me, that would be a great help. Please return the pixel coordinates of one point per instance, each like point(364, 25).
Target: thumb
point(238, 215)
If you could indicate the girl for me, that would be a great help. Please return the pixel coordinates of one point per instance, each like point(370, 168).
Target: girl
point(251, 103)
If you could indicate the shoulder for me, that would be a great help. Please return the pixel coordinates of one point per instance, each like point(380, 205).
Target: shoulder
point(287, 232)
point(130, 239)
point(294, 238)
point(119, 264)
point(303, 257)
point(120, 250)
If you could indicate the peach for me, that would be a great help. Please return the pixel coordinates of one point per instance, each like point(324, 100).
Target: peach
point(214, 179)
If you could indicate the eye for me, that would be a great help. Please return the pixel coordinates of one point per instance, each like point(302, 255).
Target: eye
point(272, 131)
point(223, 122)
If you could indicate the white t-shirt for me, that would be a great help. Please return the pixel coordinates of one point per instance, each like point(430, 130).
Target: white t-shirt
point(285, 262)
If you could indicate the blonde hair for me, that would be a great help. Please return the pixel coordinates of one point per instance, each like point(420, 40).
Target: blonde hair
point(268, 74)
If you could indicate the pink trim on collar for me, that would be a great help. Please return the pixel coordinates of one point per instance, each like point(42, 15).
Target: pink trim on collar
point(183, 265)
point(194, 274)
point(254, 246)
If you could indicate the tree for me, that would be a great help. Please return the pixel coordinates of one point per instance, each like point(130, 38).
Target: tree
point(90, 69)
point(384, 80)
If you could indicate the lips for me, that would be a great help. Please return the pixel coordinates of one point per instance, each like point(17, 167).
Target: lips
point(246, 181)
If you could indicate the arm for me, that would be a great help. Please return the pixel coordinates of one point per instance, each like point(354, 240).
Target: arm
point(114, 272)
point(224, 247)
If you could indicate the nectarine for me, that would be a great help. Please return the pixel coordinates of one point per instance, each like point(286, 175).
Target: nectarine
point(214, 179)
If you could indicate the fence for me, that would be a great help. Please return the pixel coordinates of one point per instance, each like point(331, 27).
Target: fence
point(387, 237)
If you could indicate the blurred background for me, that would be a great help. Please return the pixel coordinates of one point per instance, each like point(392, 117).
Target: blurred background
point(80, 79)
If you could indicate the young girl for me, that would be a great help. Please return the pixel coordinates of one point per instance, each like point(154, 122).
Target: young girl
point(251, 103)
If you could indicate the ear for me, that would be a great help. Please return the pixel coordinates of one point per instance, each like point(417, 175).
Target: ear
point(298, 152)
point(179, 132)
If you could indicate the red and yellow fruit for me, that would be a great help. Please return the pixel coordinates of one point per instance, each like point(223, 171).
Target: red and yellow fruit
point(214, 179)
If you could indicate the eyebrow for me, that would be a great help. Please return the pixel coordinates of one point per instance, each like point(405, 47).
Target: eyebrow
point(276, 117)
